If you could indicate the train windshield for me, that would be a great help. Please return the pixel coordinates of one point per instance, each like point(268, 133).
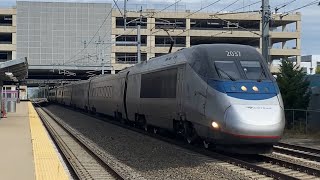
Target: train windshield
point(227, 70)
point(253, 70)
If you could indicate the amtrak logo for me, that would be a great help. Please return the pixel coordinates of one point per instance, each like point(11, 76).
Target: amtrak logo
point(251, 107)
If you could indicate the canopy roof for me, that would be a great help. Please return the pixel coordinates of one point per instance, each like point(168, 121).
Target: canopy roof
point(14, 70)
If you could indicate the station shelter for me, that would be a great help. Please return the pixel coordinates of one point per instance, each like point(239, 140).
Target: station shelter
point(11, 72)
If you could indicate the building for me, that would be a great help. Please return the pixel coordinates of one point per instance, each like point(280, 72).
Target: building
point(57, 36)
point(188, 29)
point(7, 34)
point(61, 39)
point(309, 63)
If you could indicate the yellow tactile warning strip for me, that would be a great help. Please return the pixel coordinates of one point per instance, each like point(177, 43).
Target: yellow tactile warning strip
point(46, 161)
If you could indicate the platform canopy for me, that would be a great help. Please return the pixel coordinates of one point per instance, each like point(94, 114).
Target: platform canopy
point(14, 70)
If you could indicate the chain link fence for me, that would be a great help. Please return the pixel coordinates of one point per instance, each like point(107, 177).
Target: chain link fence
point(302, 121)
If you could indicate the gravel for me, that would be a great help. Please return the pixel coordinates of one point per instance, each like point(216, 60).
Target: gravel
point(149, 157)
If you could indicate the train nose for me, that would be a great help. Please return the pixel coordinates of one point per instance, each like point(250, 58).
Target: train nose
point(255, 121)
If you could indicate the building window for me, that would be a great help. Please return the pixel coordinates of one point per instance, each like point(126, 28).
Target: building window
point(5, 38)
point(165, 41)
point(305, 69)
point(131, 39)
point(170, 23)
point(131, 22)
point(5, 56)
point(220, 24)
point(5, 20)
point(129, 58)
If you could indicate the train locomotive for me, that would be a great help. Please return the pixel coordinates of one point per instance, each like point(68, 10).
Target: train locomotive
point(223, 94)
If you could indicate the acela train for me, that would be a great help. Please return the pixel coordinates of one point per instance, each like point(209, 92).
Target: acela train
point(223, 94)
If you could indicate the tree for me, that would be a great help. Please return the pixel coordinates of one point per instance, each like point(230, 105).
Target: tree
point(318, 70)
point(294, 86)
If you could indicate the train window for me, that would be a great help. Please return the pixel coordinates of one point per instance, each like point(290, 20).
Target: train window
point(161, 84)
point(253, 70)
point(227, 70)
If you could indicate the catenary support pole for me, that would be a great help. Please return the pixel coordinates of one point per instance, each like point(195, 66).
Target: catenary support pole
point(265, 17)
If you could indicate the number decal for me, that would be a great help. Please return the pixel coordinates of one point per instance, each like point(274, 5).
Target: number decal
point(233, 53)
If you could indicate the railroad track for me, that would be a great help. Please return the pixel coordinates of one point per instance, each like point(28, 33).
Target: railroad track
point(298, 151)
point(85, 160)
point(267, 166)
point(292, 170)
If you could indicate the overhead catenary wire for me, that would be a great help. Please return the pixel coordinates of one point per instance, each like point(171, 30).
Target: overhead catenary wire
point(234, 11)
point(126, 33)
point(199, 11)
point(150, 14)
point(204, 8)
point(301, 7)
point(284, 5)
point(95, 34)
point(217, 16)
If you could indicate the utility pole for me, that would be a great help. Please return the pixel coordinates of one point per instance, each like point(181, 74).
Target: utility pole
point(125, 14)
point(101, 53)
point(265, 17)
point(139, 37)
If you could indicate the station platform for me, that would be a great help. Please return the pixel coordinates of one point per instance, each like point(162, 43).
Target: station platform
point(26, 150)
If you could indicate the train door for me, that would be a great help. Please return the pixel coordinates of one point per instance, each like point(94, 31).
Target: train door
point(180, 90)
point(125, 95)
point(196, 94)
point(89, 93)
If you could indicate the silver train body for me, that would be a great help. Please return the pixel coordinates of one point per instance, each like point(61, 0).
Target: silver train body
point(222, 93)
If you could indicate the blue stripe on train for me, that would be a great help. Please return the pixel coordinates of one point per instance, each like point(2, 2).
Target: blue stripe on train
point(267, 89)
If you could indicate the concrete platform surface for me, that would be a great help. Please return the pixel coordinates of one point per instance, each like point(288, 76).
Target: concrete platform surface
point(16, 156)
point(26, 150)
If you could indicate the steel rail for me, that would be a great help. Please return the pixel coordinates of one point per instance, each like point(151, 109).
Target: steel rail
point(300, 148)
point(295, 153)
point(63, 146)
point(286, 164)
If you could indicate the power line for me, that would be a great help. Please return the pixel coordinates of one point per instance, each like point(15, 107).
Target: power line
point(166, 7)
point(217, 13)
point(245, 6)
point(211, 15)
point(203, 8)
point(148, 15)
point(95, 34)
point(282, 6)
point(304, 6)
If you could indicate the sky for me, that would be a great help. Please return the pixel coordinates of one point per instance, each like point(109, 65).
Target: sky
point(310, 34)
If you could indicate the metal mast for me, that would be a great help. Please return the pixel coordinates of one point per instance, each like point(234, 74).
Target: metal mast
point(265, 17)
point(139, 37)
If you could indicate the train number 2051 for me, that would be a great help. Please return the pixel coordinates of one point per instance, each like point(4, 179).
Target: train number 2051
point(233, 53)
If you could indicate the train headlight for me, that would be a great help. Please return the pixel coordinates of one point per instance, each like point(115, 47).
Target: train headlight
point(255, 88)
point(243, 88)
point(215, 125)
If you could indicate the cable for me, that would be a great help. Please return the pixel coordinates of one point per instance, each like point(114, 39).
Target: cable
point(309, 4)
point(80, 51)
point(282, 6)
point(166, 8)
point(204, 8)
point(148, 15)
point(213, 15)
point(245, 6)
point(304, 6)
